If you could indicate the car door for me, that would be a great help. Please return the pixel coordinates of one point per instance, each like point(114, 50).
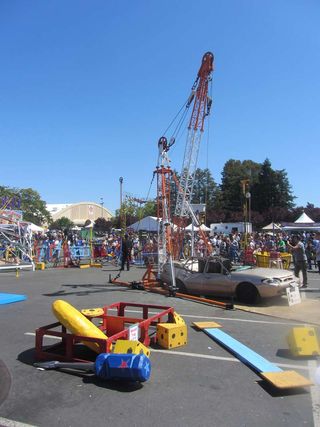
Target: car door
point(215, 281)
point(191, 277)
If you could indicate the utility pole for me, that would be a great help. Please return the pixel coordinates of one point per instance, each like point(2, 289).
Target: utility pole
point(101, 203)
point(246, 208)
point(122, 216)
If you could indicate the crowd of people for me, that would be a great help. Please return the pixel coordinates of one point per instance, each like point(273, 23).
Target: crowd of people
point(303, 247)
point(55, 246)
point(69, 247)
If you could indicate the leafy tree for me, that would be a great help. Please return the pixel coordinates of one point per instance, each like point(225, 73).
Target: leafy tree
point(33, 207)
point(205, 190)
point(102, 225)
point(272, 191)
point(149, 209)
point(62, 223)
point(233, 173)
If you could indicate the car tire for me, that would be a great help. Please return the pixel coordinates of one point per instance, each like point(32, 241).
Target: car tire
point(181, 286)
point(247, 293)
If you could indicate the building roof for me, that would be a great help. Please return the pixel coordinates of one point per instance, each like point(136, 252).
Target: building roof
point(80, 212)
point(54, 208)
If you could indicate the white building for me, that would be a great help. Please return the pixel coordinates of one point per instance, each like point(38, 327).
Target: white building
point(230, 227)
point(78, 213)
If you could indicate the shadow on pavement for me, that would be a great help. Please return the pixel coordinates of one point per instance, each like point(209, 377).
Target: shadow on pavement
point(285, 353)
point(275, 392)
point(90, 289)
point(5, 382)
point(28, 357)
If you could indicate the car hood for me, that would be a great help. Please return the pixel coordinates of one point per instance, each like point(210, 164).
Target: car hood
point(264, 272)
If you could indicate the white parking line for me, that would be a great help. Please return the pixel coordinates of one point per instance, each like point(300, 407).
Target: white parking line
point(45, 336)
point(237, 320)
point(199, 355)
point(194, 316)
point(10, 423)
point(226, 359)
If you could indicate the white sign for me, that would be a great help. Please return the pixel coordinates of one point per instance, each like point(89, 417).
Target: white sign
point(134, 333)
point(293, 295)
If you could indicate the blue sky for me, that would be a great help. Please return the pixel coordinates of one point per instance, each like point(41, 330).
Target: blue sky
point(88, 87)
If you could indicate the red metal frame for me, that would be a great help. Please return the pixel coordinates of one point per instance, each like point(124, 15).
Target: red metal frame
point(115, 324)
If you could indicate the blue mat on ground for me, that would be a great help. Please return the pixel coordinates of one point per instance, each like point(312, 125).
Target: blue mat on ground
point(244, 353)
point(9, 298)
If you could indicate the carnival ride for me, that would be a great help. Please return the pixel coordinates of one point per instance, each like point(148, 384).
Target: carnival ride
point(15, 237)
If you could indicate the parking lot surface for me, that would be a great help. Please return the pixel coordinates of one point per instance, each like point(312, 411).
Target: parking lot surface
point(200, 384)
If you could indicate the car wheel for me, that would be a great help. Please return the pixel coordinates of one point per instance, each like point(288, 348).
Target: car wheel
point(247, 293)
point(181, 286)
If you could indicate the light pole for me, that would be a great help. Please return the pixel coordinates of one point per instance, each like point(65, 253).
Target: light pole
point(121, 213)
point(101, 203)
point(246, 208)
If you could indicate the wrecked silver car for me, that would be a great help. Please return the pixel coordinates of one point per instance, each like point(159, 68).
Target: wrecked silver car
point(216, 276)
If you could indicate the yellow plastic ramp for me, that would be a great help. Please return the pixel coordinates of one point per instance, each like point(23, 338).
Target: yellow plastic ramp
point(77, 323)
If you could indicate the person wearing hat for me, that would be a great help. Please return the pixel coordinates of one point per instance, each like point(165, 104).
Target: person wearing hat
point(299, 258)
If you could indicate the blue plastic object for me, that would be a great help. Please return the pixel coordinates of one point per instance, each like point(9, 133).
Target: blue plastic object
point(134, 367)
point(244, 353)
point(9, 298)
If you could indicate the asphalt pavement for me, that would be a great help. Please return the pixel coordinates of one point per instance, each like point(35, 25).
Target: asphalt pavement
point(200, 384)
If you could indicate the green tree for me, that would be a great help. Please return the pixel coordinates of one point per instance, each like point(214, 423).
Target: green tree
point(272, 191)
point(62, 223)
point(233, 173)
point(205, 190)
point(102, 225)
point(150, 208)
point(33, 207)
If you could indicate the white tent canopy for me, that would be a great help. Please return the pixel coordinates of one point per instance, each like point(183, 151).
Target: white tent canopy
point(304, 219)
point(36, 228)
point(149, 223)
point(272, 226)
point(203, 227)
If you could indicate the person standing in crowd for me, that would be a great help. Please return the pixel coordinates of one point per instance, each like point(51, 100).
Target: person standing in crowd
point(299, 258)
point(316, 243)
point(281, 245)
point(126, 252)
point(310, 253)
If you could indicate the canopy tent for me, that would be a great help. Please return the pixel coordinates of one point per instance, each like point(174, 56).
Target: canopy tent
point(272, 226)
point(36, 228)
point(203, 227)
point(304, 219)
point(149, 223)
point(303, 223)
point(302, 227)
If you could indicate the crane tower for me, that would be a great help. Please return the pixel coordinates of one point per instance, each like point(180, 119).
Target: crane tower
point(201, 108)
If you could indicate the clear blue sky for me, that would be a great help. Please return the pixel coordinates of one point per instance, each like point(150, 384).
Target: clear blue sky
point(88, 87)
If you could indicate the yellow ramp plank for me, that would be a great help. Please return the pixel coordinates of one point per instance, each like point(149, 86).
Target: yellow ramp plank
point(286, 379)
point(205, 325)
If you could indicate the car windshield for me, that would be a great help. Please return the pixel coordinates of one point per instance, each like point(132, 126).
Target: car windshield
point(242, 267)
point(213, 265)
